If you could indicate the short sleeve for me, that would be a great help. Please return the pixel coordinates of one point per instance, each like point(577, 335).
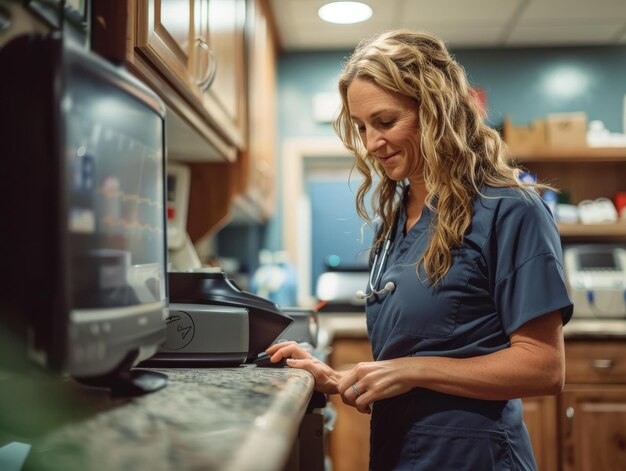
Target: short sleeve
point(527, 260)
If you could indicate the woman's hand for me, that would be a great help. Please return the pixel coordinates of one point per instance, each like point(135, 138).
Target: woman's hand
point(326, 378)
point(377, 380)
point(533, 365)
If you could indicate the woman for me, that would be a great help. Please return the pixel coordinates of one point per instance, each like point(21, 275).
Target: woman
point(472, 319)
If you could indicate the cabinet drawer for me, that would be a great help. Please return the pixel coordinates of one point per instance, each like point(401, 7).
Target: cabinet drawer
point(595, 362)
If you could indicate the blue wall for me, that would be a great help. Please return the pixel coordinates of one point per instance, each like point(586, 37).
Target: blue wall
point(300, 76)
point(530, 83)
point(525, 83)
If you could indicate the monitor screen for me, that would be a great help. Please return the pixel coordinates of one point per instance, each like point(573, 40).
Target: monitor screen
point(114, 171)
point(114, 168)
point(84, 251)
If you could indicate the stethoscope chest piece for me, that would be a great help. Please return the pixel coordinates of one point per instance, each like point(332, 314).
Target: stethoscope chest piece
point(380, 259)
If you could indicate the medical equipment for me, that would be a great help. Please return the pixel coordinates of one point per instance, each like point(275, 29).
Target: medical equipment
point(380, 257)
point(338, 288)
point(388, 288)
point(600, 210)
point(596, 276)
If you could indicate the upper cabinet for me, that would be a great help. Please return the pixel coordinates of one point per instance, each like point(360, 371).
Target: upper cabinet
point(220, 64)
point(192, 53)
point(256, 174)
point(164, 36)
point(248, 184)
point(213, 64)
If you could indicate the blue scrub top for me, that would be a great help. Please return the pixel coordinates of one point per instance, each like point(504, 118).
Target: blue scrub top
point(508, 272)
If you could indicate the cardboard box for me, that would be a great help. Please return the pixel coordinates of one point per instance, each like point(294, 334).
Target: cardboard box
point(567, 129)
point(525, 138)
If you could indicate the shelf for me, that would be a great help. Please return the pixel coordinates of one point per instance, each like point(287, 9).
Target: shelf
point(593, 230)
point(569, 154)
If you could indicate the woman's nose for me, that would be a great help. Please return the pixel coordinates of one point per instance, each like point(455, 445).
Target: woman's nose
point(374, 140)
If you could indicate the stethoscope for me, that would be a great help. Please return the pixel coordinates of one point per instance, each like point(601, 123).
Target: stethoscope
point(380, 258)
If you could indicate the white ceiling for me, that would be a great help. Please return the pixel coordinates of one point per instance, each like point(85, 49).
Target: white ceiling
point(460, 23)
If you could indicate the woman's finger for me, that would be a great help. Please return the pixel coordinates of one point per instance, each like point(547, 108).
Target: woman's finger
point(364, 408)
point(356, 397)
point(303, 363)
point(346, 382)
point(350, 394)
point(277, 346)
point(289, 351)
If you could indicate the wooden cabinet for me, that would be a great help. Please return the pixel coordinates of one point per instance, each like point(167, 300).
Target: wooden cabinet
point(256, 166)
point(171, 46)
point(198, 45)
point(583, 173)
point(213, 64)
point(248, 183)
point(593, 421)
point(163, 35)
point(220, 64)
point(349, 441)
point(584, 428)
point(541, 421)
point(592, 407)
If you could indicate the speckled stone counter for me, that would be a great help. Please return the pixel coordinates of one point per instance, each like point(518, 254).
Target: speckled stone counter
point(238, 419)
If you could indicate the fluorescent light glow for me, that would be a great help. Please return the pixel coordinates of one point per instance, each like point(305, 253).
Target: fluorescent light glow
point(345, 13)
point(567, 82)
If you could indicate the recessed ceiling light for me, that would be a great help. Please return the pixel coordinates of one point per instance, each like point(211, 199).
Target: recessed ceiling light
point(345, 13)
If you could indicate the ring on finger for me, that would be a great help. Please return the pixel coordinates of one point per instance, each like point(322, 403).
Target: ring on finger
point(355, 388)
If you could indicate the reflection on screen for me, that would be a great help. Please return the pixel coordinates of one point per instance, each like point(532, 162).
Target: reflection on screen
point(115, 195)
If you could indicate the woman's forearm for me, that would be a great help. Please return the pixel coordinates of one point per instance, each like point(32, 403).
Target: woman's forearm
point(533, 365)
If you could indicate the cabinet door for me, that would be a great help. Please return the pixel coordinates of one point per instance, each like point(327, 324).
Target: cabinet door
point(540, 416)
point(593, 423)
point(259, 165)
point(165, 37)
point(349, 441)
point(220, 64)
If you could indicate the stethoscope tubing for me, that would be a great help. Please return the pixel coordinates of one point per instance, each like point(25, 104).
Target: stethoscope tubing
point(376, 273)
point(382, 254)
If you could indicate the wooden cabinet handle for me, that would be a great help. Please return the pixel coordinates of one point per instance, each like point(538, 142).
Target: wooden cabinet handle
point(209, 74)
point(602, 364)
point(569, 413)
point(568, 449)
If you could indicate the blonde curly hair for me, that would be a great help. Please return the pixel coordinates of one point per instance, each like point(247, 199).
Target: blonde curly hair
point(459, 153)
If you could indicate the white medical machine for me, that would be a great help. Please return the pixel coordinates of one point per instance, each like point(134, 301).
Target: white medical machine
point(596, 277)
point(182, 253)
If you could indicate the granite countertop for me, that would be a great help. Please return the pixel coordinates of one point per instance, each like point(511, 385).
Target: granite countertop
point(243, 418)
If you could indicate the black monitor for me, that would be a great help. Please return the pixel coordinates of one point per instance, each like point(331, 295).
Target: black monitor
point(82, 221)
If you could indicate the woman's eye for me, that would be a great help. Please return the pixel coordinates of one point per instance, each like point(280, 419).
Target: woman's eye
point(387, 124)
point(361, 129)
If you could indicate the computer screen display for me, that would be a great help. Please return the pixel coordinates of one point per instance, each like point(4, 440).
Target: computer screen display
point(114, 175)
point(83, 250)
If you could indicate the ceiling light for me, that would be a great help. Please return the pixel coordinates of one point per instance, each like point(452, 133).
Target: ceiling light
point(345, 12)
